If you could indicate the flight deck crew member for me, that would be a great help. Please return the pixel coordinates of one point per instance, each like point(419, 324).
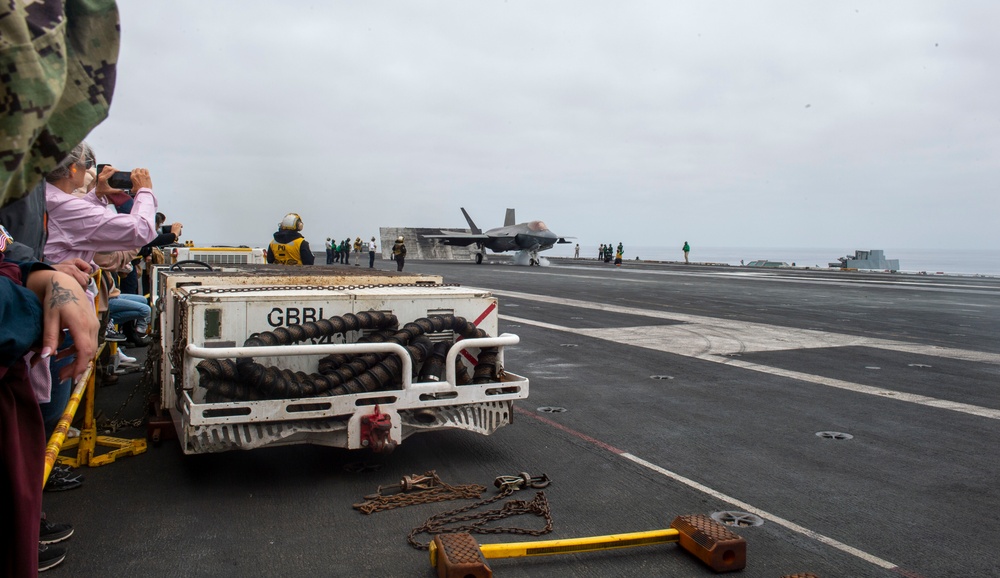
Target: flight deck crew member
point(686, 248)
point(371, 254)
point(329, 252)
point(399, 253)
point(289, 247)
point(357, 251)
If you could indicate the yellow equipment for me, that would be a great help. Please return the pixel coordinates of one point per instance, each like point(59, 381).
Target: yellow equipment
point(459, 556)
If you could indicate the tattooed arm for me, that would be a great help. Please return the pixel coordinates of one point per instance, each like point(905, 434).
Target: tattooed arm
point(65, 306)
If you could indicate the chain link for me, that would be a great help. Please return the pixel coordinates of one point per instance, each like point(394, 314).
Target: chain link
point(116, 422)
point(437, 523)
point(264, 288)
point(437, 491)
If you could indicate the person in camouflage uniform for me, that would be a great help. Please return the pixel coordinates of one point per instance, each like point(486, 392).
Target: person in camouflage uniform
point(58, 60)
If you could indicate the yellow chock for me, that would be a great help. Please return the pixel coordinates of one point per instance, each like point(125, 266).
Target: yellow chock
point(459, 556)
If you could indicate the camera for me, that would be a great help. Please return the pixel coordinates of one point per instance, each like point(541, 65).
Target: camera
point(165, 230)
point(119, 180)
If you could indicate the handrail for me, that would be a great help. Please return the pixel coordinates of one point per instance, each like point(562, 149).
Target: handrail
point(320, 349)
point(480, 342)
point(329, 348)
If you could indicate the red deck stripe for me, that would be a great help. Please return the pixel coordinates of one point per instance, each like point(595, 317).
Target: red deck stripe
point(571, 432)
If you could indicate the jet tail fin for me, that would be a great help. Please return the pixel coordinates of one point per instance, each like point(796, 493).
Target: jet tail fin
point(472, 226)
point(509, 219)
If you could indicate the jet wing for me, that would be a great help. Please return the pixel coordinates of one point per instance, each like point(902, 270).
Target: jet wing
point(458, 238)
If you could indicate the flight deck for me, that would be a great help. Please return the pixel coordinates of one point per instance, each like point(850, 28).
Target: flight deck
point(844, 423)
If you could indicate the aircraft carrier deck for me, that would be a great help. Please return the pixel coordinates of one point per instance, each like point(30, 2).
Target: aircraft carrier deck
point(686, 390)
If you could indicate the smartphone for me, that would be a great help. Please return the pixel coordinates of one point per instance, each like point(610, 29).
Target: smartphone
point(119, 180)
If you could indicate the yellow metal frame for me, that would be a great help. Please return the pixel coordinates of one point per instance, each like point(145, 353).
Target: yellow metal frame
point(569, 545)
point(88, 441)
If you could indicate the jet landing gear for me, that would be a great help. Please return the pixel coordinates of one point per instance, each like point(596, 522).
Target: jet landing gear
point(479, 255)
point(533, 258)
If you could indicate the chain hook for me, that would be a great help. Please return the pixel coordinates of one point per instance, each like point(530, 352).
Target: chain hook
point(521, 481)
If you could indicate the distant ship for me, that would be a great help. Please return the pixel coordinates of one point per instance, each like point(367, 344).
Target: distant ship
point(873, 259)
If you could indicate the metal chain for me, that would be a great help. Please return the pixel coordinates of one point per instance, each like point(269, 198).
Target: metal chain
point(254, 288)
point(116, 422)
point(539, 506)
point(432, 490)
point(180, 337)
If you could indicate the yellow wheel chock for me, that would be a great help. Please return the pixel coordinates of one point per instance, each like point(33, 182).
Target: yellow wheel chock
point(459, 556)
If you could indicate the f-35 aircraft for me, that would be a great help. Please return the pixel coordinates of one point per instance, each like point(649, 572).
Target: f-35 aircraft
point(531, 237)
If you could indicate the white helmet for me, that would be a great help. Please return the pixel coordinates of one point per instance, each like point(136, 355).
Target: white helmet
point(399, 239)
point(291, 222)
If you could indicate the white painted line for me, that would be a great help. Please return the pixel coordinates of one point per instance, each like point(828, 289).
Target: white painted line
point(766, 515)
point(915, 284)
point(747, 331)
point(869, 390)
point(713, 339)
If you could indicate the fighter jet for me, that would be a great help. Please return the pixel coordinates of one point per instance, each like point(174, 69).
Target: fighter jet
point(531, 237)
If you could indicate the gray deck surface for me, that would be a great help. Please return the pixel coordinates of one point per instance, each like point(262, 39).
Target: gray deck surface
point(757, 363)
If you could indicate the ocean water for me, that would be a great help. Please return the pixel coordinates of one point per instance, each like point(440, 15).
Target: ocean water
point(930, 261)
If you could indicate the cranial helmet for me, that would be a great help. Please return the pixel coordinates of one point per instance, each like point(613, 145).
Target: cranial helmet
point(291, 222)
point(399, 239)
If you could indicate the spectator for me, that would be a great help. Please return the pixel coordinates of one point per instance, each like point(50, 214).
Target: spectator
point(39, 124)
point(80, 227)
point(166, 237)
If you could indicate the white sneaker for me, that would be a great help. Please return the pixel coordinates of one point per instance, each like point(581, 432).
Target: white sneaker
point(124, 359)
point(73, 432)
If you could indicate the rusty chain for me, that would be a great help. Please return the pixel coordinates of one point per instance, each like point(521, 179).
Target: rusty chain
point(439, 523)
point(429, 489)
point(265, 288)
point(114, 423)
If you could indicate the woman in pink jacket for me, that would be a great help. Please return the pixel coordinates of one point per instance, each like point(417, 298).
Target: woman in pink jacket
point(80, 227)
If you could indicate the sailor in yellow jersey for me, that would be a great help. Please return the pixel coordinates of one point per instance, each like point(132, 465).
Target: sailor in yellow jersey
point(288, 246)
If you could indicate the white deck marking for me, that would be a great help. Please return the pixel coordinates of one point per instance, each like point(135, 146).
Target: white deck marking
point(717, 494)
point(712, 339)
point(916, 284)
point(763, 514)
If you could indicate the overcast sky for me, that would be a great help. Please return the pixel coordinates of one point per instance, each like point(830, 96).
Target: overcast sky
point(783, 124)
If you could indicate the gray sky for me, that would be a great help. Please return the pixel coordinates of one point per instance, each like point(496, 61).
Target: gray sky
point(786, 124)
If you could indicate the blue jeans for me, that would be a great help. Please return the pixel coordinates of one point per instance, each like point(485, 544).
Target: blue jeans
point(127, 307)
point(61, 390)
